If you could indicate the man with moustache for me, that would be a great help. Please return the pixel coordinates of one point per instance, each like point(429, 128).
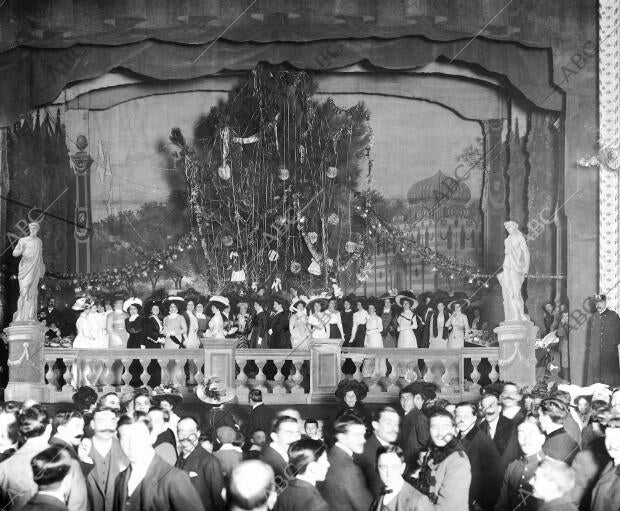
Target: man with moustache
point(602, 338)
point(500, 428)
point(483, 458)
point(105, 461)
point(344, 487)
point(511, 403)
point(385, 433)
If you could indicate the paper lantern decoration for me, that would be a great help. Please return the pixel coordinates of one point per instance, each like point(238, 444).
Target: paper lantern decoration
point(273, 256)
point(224, 171)
point(350, 246)
point(295, 267)
point(314, 268)
point(227, 240)
point(333, 219)
point(313, 237)
point(283, 173)
point(332, 172)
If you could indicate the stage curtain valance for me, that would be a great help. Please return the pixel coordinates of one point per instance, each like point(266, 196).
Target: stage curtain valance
point(42, 74)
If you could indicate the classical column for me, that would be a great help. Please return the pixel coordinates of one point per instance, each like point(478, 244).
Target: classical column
point(609, 137)
point(82, 162)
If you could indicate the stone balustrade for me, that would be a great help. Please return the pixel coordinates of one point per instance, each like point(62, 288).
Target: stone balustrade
point(300, 376)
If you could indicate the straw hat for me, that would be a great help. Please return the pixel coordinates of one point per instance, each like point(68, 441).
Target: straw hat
point(314, 299)
point(221, 300)
point(132, 301)
point(166, 393)
point(81, 304)
point(213, 391)
point(406, 296)
point(297, 300)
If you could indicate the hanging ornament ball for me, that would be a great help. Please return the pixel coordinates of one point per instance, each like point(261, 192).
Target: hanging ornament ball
point(333, 219)
point(332, 172)
point(283, 173)
point(313, 237)
point(227, 240)
point(350, 246)
point(273, 256)
point(295, 267)
point(224, 171)
point(314, 268)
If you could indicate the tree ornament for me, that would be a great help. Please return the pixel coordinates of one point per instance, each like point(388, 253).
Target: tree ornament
point(227, 240)
point(313, 237)
point(332, 172)
point(333, 219)
point(295, 267)
point(350, 246)
point(224, 171)
point(314, 268)
point(302, 154)
point(273, 256)
point(283, 173)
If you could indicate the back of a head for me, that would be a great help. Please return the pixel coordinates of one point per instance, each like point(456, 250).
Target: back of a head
point(282, 419)
point(32, 422)
point(50, 466)
point(555, 409)
point(302, 453)
point(345, 421)
point(560, 473)
point(251, 486)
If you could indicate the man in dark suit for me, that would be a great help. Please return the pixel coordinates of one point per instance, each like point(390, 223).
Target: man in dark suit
point(606, 493)
point(51, 471)
point(501, 429)
point(385, 432)
point(279, 335)
point(559, 444)
point(483, 458)
point(106, 462)
point(204, 469)
point(50, 314)
point(344, 487)
point(260, 326)
point(149, 483)
point(261, 416)
point(414, 433)
point(285, 431)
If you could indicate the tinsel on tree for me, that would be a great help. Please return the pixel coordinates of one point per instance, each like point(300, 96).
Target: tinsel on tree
point(270, 179)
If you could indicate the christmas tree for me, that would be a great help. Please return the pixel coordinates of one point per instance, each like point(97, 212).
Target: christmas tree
point(270, 181)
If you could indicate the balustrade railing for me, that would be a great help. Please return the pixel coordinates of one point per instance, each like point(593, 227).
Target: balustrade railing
point(284, 376)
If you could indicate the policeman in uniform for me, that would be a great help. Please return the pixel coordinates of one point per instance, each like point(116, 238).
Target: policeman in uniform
point(602, 339)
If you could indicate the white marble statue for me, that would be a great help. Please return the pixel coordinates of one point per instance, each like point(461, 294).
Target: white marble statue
point(31, 270)
point(516, 266)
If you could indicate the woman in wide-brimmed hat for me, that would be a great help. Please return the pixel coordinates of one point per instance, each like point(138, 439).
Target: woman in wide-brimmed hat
point(298, 322)
point(134, 324)
point(217, 303)
point(215, 393)
point(335, 321)
point(242, 320)
point(360, 316)
point(459, 324)
point(351, 394)
point(388, 320)
point(406, 320)
point(438, 325)
point(175, 326)
point(319, 319)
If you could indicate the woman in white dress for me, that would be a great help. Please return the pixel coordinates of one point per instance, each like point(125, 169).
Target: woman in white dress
point(375, 367)
point(358, 334)
point(439, 327)
point(319, 319)
point(88, 371)
point(192, 342)
point(216, 323)
point(115, 325)
point(100, 320)
point(335, 321)
point(460, 326)
point(406, 321)
point(298, 323)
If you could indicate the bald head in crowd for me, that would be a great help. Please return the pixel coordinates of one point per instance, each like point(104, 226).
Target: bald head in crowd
point(252, 487)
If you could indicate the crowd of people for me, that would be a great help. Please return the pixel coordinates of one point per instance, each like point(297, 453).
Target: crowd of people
point(551, 449)
point(279, 321)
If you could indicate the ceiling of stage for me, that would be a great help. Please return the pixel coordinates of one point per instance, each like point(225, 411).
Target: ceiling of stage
point(45, 44)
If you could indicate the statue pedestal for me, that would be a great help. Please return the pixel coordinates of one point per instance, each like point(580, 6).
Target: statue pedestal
point(517, 362)
point(26, 341)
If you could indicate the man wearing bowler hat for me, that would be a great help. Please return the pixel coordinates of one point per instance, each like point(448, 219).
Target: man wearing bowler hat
point(602, 339)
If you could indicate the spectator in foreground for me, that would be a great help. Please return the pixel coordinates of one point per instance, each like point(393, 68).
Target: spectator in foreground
point(559, 444)
point(285, 432)
point(398, 494)
point(606, 493)
point(552, 484)
point(51, 469)
point(445, 475)
point(251, 487)
point(258, 440)
point(307, 465)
